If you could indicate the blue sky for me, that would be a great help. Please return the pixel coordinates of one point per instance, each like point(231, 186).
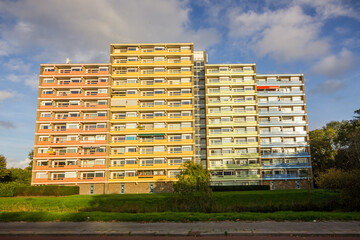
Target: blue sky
point(320, 39)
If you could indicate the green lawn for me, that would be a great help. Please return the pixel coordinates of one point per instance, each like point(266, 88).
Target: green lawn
point(276, 205)
point(176, 216)
point(246, 201)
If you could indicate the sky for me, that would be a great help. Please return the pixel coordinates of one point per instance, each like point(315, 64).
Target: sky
point(320, 39)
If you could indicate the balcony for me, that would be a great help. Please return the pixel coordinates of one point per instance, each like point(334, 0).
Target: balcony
point(294, 133)
point(152, 130)
point(282, 123)
point(285, 155)
point(69, 72)
point(51, 154)
point(285, 165)
point(151, 51)
point(230, 82)
point(75, 96)
point(151, 118)
point(80, 107)
point(71, 130)
point(234, 144)
point(281, 103)
point(151, 154)
point(283, 176)
point(281, 113)
point(284, 144)
point(77, 143)
point(214, 72)
point(245, 93)
point(228, 103)
point(279, 83)
point(68, 180)
point(229, 113)
point(66, 167)
point(234, 177)
point(233, 155)
point(235, 166)
point(231, 134)
point(77, 84)
point(141, 167)
point(151, 85)
point(153, 142)
point(231, 123)
point(280, 93)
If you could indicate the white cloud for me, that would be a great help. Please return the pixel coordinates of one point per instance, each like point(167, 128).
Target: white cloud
point(330, 8)
point(16, 64)
point(335, 66)
point(329, 86)
point(7, 94)
point(14, 163)
point(285, 34)
point(83, 30)
point(31, 80)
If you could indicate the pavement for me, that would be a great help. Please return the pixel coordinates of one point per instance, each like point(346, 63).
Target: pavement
point(241, 228)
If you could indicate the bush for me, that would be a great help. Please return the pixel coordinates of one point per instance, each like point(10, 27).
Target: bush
point(239, 188)
point(46, 190)
point(8, 189)
point(347, 183)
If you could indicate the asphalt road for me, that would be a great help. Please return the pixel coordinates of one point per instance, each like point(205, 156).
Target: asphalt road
point(178, 237)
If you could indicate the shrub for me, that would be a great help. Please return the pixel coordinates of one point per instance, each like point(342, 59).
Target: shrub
point(239, 188)
point(46, 190)
point(192, 191)
point(348, 183)
point(8, 189)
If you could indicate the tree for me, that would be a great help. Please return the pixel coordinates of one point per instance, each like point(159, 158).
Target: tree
point(2, 162)
point(5, 174)
point(192, 190)
point(31, 157)
point(20, 175)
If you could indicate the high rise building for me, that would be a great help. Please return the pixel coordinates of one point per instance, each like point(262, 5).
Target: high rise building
point(128, 126)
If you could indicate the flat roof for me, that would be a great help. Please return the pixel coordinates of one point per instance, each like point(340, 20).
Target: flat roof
point(129, 44)
point(231, 64)
point(74, 64)
point(281, 74)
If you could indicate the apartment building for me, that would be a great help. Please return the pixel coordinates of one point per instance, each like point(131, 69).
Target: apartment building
point(232, 124)
point(72, 125)
point(128, 126)
point(284, 139)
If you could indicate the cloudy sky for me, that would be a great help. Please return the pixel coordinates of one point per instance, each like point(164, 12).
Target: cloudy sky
point(320, 39)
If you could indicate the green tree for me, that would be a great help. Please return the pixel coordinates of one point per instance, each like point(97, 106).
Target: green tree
point(192, 190)
point(20, 175)
point(31, 157)
point(5, 174)
point(2, 161)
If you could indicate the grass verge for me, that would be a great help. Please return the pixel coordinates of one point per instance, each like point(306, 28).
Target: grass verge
point(176, 216)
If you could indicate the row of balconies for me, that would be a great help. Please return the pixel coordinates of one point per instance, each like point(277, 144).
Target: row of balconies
point(151, 72)
point(169, 153)
point(66, 106)
point(279, 82)
point(75, 71)
point(168, 95)
point(151, 84)
point(225, 70)
point(166, 50)
point(72, 142)
point(214, 91)
point(282, 123)
point(234, 81)
point(241, 102)
point(151, 118)
point(69, 118)
point(280, 102)
point(63, 129)
point(151, 130)
point(75, 95)
point(151, 61)
point(280, 113)
point(280, 93)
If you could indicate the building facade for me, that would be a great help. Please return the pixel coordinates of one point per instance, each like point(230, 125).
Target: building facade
point(128, 126)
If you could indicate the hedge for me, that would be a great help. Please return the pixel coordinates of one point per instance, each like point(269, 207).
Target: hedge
point(8, 189)
point(239, 188)
point(46, 190)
